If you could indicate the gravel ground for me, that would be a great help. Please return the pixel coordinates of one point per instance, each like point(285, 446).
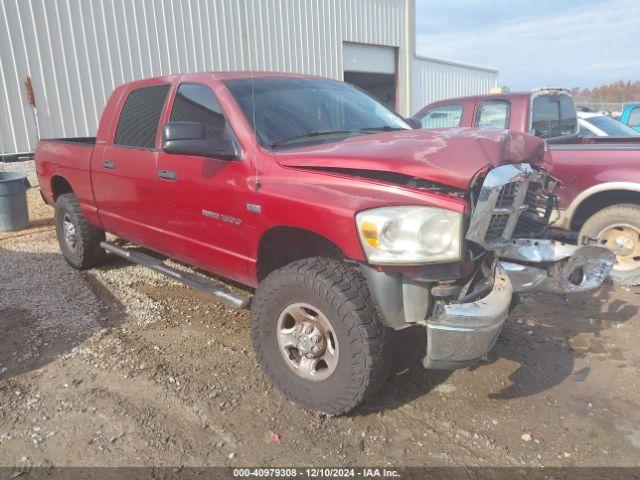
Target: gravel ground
point(26, 167)
point(119, 366)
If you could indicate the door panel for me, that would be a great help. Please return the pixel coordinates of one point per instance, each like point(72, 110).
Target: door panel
point(124, 171)
point(125, 193)
point(203, 212)
point(202, 201)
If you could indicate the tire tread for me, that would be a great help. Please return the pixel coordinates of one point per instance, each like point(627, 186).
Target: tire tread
point(345, 289)
point(88, 254)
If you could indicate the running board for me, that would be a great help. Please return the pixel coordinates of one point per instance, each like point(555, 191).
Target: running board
point(216, 289)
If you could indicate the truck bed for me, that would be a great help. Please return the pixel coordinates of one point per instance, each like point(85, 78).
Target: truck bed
point(68, 159)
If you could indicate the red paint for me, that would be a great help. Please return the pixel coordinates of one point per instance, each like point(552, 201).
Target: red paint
point(447, 156)
point(133, 203)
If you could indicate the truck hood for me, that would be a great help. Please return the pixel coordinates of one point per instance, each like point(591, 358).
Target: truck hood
point(451, 157)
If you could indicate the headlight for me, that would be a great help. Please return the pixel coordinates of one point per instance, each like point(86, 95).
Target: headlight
point(410, 235)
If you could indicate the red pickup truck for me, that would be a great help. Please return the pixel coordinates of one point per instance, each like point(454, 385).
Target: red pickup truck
point(348, 223)
point(600, 176)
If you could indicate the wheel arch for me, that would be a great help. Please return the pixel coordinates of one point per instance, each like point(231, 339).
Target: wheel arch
point(281, 245)
point(598, 197)
point(59, 186)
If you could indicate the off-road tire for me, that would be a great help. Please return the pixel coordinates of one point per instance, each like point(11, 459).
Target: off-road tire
point(340, 292)
point(628, 214)
point(87, 252)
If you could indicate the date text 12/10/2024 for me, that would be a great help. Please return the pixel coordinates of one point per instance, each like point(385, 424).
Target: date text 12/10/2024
point(316, 472)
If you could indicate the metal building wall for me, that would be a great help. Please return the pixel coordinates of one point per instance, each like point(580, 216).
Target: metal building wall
point(434, 79)
point(77, 51)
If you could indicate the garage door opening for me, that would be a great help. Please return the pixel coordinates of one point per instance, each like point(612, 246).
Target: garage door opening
point(373, 69)
point(380, 85)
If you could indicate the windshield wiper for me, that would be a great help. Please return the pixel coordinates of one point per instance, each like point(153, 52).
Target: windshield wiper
point(314, 133)
point(383, 128)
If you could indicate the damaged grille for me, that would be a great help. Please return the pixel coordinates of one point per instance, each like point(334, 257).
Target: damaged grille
point(534, 220)
point(496, 228)
point(507, 195)
point(513, 201)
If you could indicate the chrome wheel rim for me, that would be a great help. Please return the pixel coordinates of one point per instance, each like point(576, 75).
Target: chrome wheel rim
point(624, 241)
point(307, 341)
point(69, 232)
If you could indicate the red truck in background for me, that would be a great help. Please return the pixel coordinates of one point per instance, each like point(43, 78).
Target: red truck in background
point(348, 223)
point(600, 176)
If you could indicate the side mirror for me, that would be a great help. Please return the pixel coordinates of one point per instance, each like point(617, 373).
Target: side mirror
point(189, 138)
point(414, 123)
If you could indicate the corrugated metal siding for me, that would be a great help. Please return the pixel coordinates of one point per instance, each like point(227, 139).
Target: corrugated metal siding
point(434, 79)
point(377, 22)
point(77, 51)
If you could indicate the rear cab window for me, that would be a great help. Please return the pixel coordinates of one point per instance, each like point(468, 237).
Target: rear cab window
point(494, 115)
point(443, 116)
point(138, 122)
point(553, 116)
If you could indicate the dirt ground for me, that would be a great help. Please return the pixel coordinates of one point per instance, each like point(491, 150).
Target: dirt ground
point(121, 367)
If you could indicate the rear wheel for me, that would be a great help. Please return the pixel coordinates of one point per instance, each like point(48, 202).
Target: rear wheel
point(79, 241)
point(318, 336)
point(618, 228)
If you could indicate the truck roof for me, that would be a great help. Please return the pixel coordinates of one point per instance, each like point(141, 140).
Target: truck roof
point(236, 75)
point(489, 96)
point(512, 95)
point(253, 74)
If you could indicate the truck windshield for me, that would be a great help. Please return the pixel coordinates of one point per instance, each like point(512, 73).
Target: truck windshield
point(553, 116)
point(294, 112)
point(611, 127)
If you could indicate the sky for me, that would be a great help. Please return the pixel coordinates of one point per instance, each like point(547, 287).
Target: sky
point(562, 43)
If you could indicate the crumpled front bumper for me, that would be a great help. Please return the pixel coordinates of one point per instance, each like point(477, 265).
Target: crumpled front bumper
point(465, 332)
point(555, 267)
point(459, 333)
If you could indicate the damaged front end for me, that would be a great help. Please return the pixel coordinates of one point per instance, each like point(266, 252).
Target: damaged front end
point(463, 318)
point(511, 216)
point(463, 306)
point(460, 331)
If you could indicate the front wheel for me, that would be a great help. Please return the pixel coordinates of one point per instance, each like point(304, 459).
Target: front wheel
point(618, 228)
point(318, 336)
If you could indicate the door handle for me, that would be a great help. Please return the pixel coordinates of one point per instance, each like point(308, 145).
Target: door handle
point(167, 174)
point(109, 165)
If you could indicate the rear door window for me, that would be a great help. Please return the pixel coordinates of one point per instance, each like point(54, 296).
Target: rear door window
point(494, 115)
point(553, 116)
point(443, 116)
point(140, 115)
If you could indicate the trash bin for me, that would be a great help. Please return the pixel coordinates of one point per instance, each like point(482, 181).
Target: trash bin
point(14, 213)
